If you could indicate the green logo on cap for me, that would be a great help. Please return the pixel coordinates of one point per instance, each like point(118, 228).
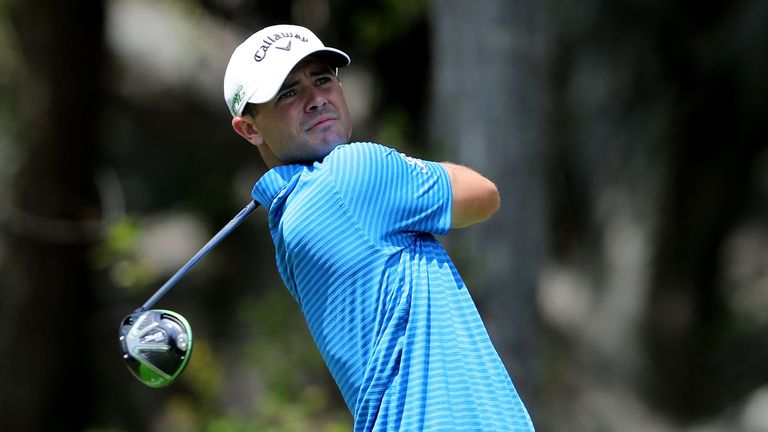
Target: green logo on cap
point(238, 98)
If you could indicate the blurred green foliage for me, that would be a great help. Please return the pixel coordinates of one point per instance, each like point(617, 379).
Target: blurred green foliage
point(296, 385)
point(9, 68)
point(379, 23)
point(118, 254)
point(292, 389)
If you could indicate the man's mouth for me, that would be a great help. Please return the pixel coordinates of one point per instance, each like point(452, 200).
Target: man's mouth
point(319, 123)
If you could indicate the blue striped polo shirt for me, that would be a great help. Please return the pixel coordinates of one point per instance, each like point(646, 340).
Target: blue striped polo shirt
point(392, 318)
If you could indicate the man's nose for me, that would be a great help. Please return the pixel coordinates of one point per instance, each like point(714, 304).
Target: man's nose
point(316, 100)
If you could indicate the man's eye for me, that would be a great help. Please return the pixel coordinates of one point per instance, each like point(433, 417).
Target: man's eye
point(322, 80)
point(286, 94)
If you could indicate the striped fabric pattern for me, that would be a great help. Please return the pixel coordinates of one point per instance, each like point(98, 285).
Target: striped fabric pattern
point(389, 312)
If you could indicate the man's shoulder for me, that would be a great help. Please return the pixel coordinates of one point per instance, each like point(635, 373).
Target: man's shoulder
point(276, 182)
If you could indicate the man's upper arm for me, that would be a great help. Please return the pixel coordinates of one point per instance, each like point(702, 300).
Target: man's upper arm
point(475, 198)
point(390, 192)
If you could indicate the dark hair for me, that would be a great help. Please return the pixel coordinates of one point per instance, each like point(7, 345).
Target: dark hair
point(251, 109)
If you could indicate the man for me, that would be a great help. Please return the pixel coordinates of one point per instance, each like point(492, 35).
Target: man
point(353, 226)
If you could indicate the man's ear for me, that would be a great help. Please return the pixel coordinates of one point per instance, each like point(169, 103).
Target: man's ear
point(246, 129)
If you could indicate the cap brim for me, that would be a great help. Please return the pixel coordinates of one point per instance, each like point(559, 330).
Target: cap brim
point(335, 58)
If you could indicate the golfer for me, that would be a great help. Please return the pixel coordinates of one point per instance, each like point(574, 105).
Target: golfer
point(353, 225)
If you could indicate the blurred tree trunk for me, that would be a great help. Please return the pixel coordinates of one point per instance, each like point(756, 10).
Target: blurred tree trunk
point(47, 375)
point(703, 359)
point(487, 112)
point(649, 145)
point(652, 150)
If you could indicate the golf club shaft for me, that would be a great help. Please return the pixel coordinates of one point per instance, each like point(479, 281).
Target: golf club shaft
point(199, 255)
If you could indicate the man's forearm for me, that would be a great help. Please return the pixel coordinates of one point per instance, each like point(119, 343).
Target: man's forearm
point(475, 198)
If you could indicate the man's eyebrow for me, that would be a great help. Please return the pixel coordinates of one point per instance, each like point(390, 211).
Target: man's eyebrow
point(320, 70)
point(315, 71)
point(288, 85)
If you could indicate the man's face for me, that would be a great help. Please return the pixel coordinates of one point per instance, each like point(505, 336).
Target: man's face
point(309, 116)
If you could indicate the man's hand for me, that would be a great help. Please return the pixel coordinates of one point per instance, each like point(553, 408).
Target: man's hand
point(475, 198)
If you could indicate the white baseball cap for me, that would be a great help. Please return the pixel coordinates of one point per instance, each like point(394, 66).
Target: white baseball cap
point(258, 67)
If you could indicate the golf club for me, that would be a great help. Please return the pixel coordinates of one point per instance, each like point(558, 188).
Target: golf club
point(157, 343)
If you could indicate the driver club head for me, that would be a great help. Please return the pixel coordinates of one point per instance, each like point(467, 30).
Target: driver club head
point(156, 345)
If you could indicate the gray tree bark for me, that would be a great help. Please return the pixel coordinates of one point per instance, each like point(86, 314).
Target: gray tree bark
point(46, 297)
point(487, 112)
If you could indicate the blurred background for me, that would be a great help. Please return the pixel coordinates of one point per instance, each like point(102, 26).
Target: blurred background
point(624, 281)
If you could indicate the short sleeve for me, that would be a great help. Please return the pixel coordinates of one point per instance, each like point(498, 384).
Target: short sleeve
point(391, 193)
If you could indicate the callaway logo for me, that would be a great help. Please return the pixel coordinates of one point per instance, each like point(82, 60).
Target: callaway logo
point(261, 53)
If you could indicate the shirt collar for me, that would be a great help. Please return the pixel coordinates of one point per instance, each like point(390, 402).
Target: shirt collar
point(274, 183)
